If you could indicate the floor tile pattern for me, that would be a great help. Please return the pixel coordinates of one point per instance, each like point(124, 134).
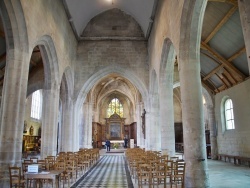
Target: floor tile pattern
point(110, 172)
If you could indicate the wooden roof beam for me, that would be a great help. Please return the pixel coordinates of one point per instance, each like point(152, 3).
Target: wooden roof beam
point(237, 54)
point(221, 23)
point(213, 72)
point(223, 61)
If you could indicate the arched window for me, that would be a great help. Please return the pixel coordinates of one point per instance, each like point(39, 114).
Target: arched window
point(229, 114)
point(115, 107)
point(36, 105)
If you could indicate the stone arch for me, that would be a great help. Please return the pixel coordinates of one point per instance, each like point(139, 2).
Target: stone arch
point(67, 83)
point(14, 86)
point(33, 87)
point(82, 95)
point(51, 93)
point(50, 61)
point(191, 25)
point(166, 97)
point(14, 25)
point(102, 73)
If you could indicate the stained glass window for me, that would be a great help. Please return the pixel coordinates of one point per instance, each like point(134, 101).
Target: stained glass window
point(115, 107)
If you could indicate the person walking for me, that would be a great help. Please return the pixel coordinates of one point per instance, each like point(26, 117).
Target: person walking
point(108, 145)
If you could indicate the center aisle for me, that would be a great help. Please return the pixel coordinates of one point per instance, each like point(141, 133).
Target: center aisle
point(111, 172)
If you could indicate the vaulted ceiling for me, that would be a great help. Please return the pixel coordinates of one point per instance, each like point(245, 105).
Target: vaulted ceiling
point(223, 55)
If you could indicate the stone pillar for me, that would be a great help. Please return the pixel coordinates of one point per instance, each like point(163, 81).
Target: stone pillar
point(153, 134)
point(12, 112)
point(67, 127)
point(244, 9)
point(50, 121)
point(193, 124)
point(167, 117)
point(89, 134)
point(79, 121)
point(78, 128)
point(213, 132)
point(87, 127)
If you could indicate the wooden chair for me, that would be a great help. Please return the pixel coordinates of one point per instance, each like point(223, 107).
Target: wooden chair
point(34, 159)
point(16, 178)
point(64, 176)
point(144, 175)
point(70, 169)
point(169, 169)
point(159, 174)
point(49, 163)
point(42, 164)
point(178, 174)
point(174, 159)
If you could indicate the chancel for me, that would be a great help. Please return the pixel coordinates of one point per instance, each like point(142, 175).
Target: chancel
point(165, 81)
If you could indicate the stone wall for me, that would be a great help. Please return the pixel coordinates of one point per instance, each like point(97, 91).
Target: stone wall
point(93, 56)
point(237, 141)
point(51, 18)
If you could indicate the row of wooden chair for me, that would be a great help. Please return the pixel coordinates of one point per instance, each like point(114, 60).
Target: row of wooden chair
point(72, 165)
point(152, 168)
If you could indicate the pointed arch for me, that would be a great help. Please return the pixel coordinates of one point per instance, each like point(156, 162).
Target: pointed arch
point(106, 71)
point(50, 61)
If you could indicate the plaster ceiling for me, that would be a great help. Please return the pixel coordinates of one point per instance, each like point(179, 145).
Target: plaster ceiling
point(80, 12)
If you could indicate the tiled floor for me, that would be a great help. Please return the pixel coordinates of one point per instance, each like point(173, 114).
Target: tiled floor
point(111, 172)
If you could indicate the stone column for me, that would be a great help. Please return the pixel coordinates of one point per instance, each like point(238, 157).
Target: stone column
point(153, 134)
point(167, 117)
point(78, 128)
point(12, 112)
point(89, 136)
point(79, 121)
point(244, 10)
point(87, 125)
point(213, 132)
point(193, 124)
point(67, 127)
point(50, 121)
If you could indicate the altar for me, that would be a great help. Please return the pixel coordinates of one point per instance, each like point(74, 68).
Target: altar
point(115, 128)
point(119, 143)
